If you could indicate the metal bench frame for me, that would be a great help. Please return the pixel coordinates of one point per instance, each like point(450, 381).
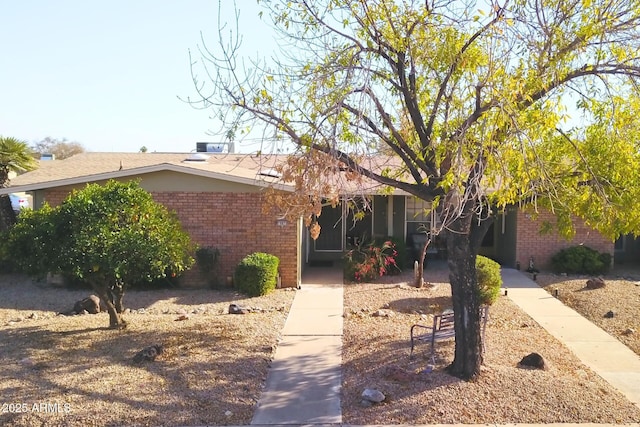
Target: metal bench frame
point(443, 327)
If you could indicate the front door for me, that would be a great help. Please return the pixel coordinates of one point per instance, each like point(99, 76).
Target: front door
point(331, 238)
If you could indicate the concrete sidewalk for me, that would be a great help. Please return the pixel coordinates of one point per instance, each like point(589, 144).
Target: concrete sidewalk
point(598, 350)
point(305, 379)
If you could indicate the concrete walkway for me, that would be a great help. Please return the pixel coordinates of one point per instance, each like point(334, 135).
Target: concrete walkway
point(598, 350)
point(305, 379)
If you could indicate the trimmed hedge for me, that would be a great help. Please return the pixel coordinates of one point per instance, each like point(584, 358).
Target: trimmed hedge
point(581, 260)
point(489, 280)
point(257, 274)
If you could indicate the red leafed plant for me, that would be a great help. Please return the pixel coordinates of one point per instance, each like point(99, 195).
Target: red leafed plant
point(368, 261)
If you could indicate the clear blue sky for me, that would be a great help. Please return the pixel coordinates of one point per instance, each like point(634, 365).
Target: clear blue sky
point(108, 74)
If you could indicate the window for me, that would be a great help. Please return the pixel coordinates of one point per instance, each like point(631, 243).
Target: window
point(418, 216)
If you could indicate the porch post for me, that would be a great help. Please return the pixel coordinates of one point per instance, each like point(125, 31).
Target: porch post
point(390, 216)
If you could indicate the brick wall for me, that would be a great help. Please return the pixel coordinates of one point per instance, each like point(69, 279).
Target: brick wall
point(530, 243)
point(231, 222)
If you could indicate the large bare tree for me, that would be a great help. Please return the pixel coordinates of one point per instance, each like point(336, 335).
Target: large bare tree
point(480, 105)
point(60, 148)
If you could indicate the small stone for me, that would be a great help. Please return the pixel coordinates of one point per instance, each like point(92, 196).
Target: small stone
point(629, 331)
point(595, 283)
point(182, 317)
point(383, 313)
point(237, 309)
point(181, 311)
point(148, 354)
point(228, 413)
point(609, 315)
point(373, 395)
point(533, 360)
point(33, 316)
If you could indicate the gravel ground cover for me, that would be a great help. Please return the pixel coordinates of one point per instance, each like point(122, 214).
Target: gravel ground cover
point(214, 364)
point(621, 296)
point(376, 355)
point(73, 371)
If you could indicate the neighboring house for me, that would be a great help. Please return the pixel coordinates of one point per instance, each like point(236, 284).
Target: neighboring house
point(219, 200)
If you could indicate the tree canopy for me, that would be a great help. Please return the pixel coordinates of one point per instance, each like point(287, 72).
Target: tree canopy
point(60, 148)
point(108, 236)
point(479, 104)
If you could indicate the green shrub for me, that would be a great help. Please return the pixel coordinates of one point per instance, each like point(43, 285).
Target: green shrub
point(489, 280)
point(208, 261)
point(580, 260)
point(257, 274)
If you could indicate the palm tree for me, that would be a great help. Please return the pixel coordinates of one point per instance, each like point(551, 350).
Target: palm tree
point(15, 156)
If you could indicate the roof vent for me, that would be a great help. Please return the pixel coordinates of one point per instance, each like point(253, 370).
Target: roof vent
point(197, 157)
point(271, 173)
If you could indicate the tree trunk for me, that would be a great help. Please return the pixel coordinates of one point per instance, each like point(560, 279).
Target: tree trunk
point(116, 294)
point(466, 305)
point(7, 215)
point(115, 320)
point(419, 281)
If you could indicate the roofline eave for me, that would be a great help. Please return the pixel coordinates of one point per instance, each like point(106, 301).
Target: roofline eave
point(145, 170)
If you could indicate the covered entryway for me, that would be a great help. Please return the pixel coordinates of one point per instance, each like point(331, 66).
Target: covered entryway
point(338, 233)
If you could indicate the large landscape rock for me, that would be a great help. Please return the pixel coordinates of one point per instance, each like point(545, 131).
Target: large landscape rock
point(372, 395)
point(533, 360)
point(595, 283)
point(90, 304)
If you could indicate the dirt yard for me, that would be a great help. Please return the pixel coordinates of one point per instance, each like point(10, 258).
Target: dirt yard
point(73, 371)
point(376, 355)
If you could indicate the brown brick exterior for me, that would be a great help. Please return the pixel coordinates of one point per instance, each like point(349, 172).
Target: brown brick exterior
point(231, 222)
point(530, 243)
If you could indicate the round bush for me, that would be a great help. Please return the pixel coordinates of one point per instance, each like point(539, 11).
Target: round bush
point(257, 274)
point(580, 260)
point(489, 280)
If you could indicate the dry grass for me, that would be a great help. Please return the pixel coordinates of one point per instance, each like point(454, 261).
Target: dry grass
point(211, 372)
point(376, 354)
